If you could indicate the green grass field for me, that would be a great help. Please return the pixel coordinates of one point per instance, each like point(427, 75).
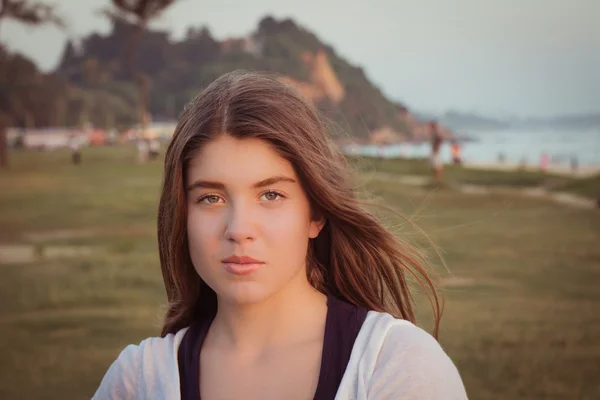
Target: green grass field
point(80, 277)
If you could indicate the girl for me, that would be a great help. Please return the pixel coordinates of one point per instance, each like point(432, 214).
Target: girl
point(280, 286)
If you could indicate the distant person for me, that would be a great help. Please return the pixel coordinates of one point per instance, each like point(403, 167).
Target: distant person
point(75, 146)
point(501, 158)
point(111, 137)
point(523, 163)
point(544, 162)
point(154, 149)
point(574, 164)
point(279, 283)
point(143, 149)
point(456, 153)
point(20, 140)
point(436, 144)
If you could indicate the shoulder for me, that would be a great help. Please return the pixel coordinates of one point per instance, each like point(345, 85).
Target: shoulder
point(407, 362)
point(143, 370)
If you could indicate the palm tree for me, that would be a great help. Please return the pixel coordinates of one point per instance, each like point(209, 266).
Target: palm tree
point(30, 13)
point(141, 12)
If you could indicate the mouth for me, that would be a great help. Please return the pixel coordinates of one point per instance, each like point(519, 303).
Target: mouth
point(237, 265)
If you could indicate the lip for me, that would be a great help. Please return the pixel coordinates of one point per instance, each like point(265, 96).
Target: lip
point(241, 265)
point(241, 260)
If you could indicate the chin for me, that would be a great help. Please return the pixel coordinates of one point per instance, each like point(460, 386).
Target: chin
point(243, 293)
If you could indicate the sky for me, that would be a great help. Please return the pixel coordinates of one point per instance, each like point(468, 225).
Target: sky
point(499, 58)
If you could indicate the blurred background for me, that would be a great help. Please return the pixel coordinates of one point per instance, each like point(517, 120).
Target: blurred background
point(477, 120)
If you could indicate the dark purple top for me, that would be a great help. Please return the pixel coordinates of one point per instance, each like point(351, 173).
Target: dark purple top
point(342, 325)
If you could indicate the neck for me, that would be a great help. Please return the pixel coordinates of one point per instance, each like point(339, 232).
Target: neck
point(293, 315)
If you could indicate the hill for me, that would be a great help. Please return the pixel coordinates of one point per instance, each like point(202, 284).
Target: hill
point(583, 121)
point(93, 83)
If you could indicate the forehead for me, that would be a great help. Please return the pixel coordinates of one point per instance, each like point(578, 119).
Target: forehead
point(237, 161)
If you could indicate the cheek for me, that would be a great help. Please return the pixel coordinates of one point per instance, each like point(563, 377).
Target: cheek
point(287, 232)
point(203, 236)
point(287, 224)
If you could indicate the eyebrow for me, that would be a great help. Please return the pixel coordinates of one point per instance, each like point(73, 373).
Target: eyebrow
point(260, 184)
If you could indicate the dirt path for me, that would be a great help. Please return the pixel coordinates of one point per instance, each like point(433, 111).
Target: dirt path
point(27, 253)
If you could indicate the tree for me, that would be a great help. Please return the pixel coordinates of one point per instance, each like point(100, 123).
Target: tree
point(30, 13)
point(141, 12)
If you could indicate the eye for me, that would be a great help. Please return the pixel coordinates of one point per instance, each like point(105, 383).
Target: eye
point(271, 195)
point(209, 199)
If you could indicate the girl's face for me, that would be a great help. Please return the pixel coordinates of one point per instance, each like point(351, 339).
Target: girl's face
point(248, 219)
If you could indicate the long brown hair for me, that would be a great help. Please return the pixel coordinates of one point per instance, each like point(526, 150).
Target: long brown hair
point(354, 258)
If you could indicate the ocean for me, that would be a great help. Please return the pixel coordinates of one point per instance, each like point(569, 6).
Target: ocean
point(516, 145)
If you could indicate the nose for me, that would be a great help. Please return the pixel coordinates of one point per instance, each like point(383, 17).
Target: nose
point(240, 227)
